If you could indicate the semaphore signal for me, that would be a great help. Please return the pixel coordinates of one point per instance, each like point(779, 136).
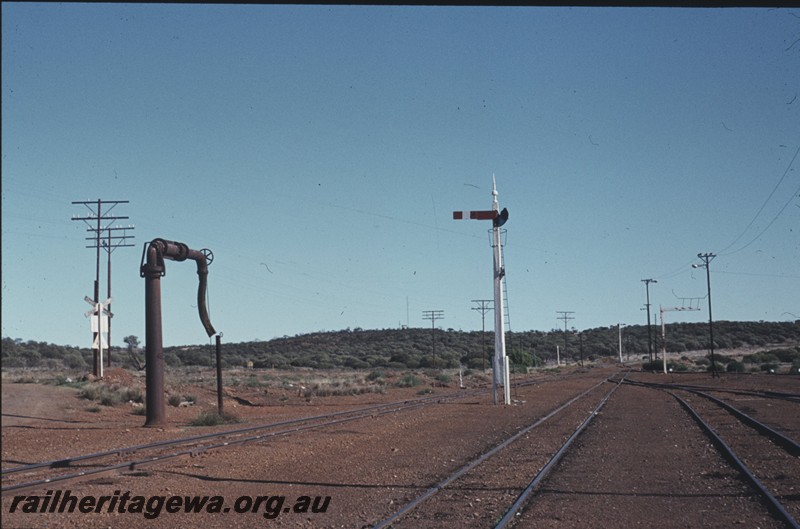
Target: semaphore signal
point(500, 368)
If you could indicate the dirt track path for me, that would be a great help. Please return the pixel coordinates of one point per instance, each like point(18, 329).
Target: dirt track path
point(23, 404)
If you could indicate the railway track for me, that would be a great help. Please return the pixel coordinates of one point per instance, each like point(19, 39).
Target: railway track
point(520, 475)
point(464, 486)
point(773, 475)
point(767, 459)
point(132, 458)
point(46, 473)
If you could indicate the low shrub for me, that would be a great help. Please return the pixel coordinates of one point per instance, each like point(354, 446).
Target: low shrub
point(443, 378)
point(375, 375)
point(736, 367)
point(408, 381)
point(677, 367)
point(322, 390)
point(211, 418)
point(655, 365)
point(110, 395)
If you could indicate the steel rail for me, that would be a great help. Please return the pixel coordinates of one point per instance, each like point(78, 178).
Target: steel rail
point(132, 465)
point(360, 413)
point(431, 491)
point(127, 451)
point(518, 503)
point(731, 456)
point(788, 444)
point(792, 397)
point(779, 395)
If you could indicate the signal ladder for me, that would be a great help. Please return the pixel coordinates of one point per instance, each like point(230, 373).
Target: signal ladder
point(505, 285)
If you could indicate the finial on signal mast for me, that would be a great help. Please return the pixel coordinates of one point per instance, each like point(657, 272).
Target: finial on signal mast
point(495, 205)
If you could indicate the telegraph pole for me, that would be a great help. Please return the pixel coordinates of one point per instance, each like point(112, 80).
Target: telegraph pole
point(98, 222)
point(483, 308)
point(707, 258)
point(109, 245)
point(433, 315)
point(647, 308)
point(565, 315)
point(664, 331)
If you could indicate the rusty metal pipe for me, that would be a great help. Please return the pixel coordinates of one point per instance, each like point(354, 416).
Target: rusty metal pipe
point(202, 274)
point(154, 351)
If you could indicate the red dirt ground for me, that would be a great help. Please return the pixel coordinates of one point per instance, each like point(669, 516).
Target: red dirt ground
point(642, 462)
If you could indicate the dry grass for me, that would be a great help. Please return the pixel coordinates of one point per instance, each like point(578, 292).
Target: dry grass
point(110, 394)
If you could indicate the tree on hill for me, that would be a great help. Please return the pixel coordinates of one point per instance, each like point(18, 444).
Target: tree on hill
point(412, 347)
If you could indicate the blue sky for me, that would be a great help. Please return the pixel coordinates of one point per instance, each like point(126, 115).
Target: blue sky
point(319, 152)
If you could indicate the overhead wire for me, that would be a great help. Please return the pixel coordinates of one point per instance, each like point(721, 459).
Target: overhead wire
point(761, 209)
point(754, 239)
point(684, 267)
point(676, 271)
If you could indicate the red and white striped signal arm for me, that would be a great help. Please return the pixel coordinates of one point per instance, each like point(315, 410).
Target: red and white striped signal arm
point(475, 215)
point(499, 217)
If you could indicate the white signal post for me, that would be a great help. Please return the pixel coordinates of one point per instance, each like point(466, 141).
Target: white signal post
point(99, 325)
point(500, 365)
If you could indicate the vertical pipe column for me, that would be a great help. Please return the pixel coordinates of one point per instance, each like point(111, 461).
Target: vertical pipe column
point(154, 351)
point(219, 374)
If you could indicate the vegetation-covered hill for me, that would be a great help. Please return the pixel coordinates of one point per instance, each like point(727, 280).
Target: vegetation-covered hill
point(416, 347)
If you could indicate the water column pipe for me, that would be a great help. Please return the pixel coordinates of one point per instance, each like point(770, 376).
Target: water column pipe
point(152, 270)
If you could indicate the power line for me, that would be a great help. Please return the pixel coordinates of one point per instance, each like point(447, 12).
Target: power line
point(796, 192)
point(565, 315)
point(647, 308)
point(484, 307)
point(100, 223)
point(707, 258)
point(792, 197)
point(791, 162)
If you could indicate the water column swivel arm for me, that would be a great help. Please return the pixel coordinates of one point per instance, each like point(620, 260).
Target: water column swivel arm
point(178, 251)
point(152, 269)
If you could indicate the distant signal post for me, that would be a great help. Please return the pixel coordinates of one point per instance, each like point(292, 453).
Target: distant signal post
point(500, 369)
